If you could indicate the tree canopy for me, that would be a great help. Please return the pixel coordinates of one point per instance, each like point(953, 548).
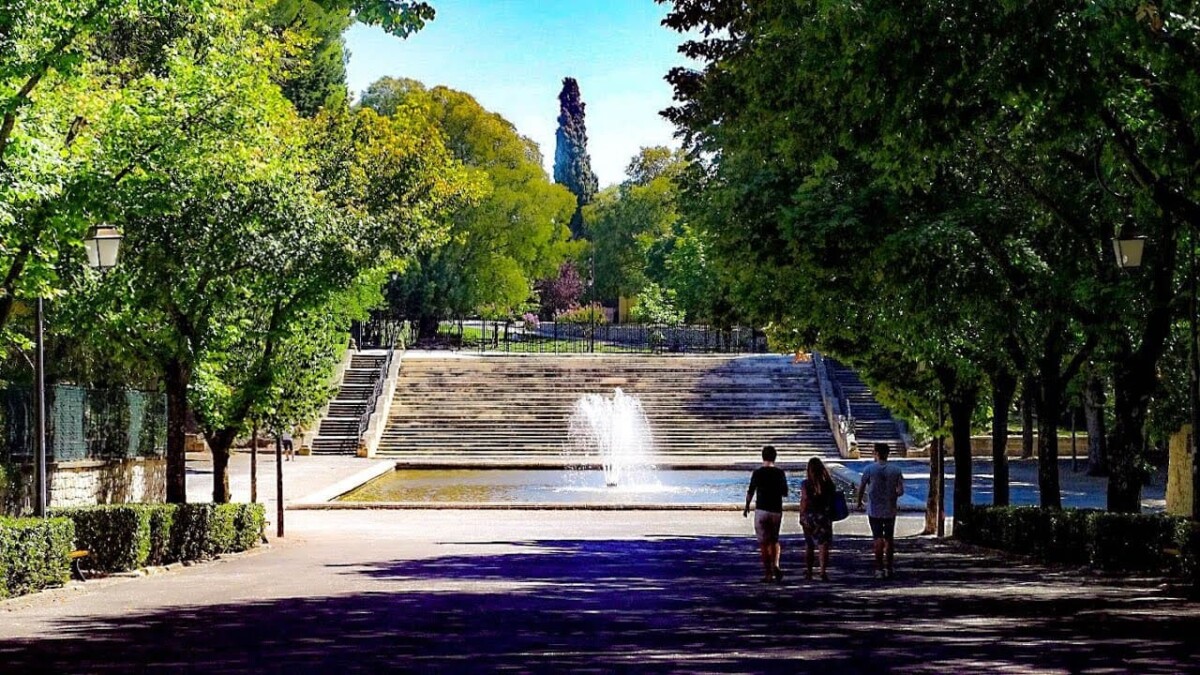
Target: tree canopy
point(853, 156)
point(572, 165)
point(515, 233)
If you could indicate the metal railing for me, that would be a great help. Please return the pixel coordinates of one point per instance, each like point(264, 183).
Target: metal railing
point(364, 421)
point(382, 331)
point(552, 337)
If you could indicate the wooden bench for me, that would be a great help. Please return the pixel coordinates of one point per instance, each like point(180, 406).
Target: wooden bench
point(75, 557)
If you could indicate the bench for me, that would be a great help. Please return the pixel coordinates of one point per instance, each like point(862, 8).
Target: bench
point(75, 557)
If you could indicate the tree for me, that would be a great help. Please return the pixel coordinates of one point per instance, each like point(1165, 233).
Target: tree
point(1041, 116)
point(572, 165)
point(640, 239)
point(561, 293)
point(513, 234)
point(316, 77)
point(72, 72)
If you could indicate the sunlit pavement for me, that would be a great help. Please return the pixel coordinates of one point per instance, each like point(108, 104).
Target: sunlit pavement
point(452, 591)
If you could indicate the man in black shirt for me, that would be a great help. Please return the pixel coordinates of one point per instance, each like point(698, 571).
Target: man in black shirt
point(770, 483)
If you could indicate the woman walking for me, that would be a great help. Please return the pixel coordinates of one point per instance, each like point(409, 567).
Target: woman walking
point(816, 515)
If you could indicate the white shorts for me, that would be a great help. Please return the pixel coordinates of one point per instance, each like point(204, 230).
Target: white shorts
point(766, 526)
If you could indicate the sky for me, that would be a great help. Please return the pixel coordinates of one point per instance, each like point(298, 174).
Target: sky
point(512, 56)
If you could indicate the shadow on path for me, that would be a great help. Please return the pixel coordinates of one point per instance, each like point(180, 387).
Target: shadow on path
point(686, 604)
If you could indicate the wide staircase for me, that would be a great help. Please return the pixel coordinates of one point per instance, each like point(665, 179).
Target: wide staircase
point(873, 423)
point(341, 426)
point(702, 409)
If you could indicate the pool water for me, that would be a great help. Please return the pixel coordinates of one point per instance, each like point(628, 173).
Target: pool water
point(539, 486)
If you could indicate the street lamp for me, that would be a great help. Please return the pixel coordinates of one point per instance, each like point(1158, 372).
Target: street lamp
point(103, 243)
point(1128, 250)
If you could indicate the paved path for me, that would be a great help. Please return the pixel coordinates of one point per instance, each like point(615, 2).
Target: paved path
point(523, 591)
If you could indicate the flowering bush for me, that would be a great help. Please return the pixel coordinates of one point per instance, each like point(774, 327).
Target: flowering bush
point(531, 320)
point(561, 293)
point(590, 315)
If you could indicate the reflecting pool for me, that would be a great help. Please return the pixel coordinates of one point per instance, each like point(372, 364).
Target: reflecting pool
point(538, 486)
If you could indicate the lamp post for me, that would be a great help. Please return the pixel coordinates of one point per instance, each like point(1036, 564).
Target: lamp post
point(592, 299)
point(1128, 250)
point(103, 244)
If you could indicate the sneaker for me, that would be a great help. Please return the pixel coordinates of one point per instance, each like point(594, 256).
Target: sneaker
point(778, 574)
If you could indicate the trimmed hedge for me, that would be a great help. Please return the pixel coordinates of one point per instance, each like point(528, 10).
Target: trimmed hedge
point(1111, 542)
point(122, 537)
point(130, 536)
point(33, 554)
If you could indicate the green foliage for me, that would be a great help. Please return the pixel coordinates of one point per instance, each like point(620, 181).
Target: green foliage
point(656, 305)
point(126, 537)
point(1110, 542)
point(116, 537)
point(513, 233)
point(588, 315)
point(572, 165)
point(201, 531)
point(317, 78)
point(189, 532)
point(33, 554)
point(398, 17)
point(935, 184)
point(639, 238)
point(162, 518)
point(1187, 538)
point(249, 523)
point(1131, 542)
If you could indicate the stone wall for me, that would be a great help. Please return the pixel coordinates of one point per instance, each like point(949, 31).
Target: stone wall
point(89, 482)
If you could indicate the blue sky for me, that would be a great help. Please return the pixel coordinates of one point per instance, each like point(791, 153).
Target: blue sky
point(512, 55)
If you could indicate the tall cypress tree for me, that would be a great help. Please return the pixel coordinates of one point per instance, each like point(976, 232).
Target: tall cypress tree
point(572, 166)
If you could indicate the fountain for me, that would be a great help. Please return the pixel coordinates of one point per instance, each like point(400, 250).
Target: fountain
point(614, 432)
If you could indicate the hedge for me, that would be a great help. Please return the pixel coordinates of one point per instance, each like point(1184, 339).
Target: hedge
point(1110, 542)
point(122, 537)
point(130, 536)
point(33, 554)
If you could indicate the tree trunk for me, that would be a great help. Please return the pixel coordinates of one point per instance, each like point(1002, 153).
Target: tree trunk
point(427, 327)
point(1027, 399)
point(220, 444)
point(1004, 388)
point(934, 503)
point(177, 377)
point(254, 465)
point(1131, 392)
point(962, 405)
point(1093, 413)
point(220, 476)
point(1049, 406)
point(1049, 489)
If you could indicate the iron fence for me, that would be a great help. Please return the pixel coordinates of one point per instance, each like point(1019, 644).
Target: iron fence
point(382, 331)
point(576, 338)
point(84, 424)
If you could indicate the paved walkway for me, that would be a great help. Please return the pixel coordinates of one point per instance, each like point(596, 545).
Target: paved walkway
point(453, 591)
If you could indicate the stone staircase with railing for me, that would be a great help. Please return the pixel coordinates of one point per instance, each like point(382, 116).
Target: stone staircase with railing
point(873, 423)
point(341, 429)
point(702, 409)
